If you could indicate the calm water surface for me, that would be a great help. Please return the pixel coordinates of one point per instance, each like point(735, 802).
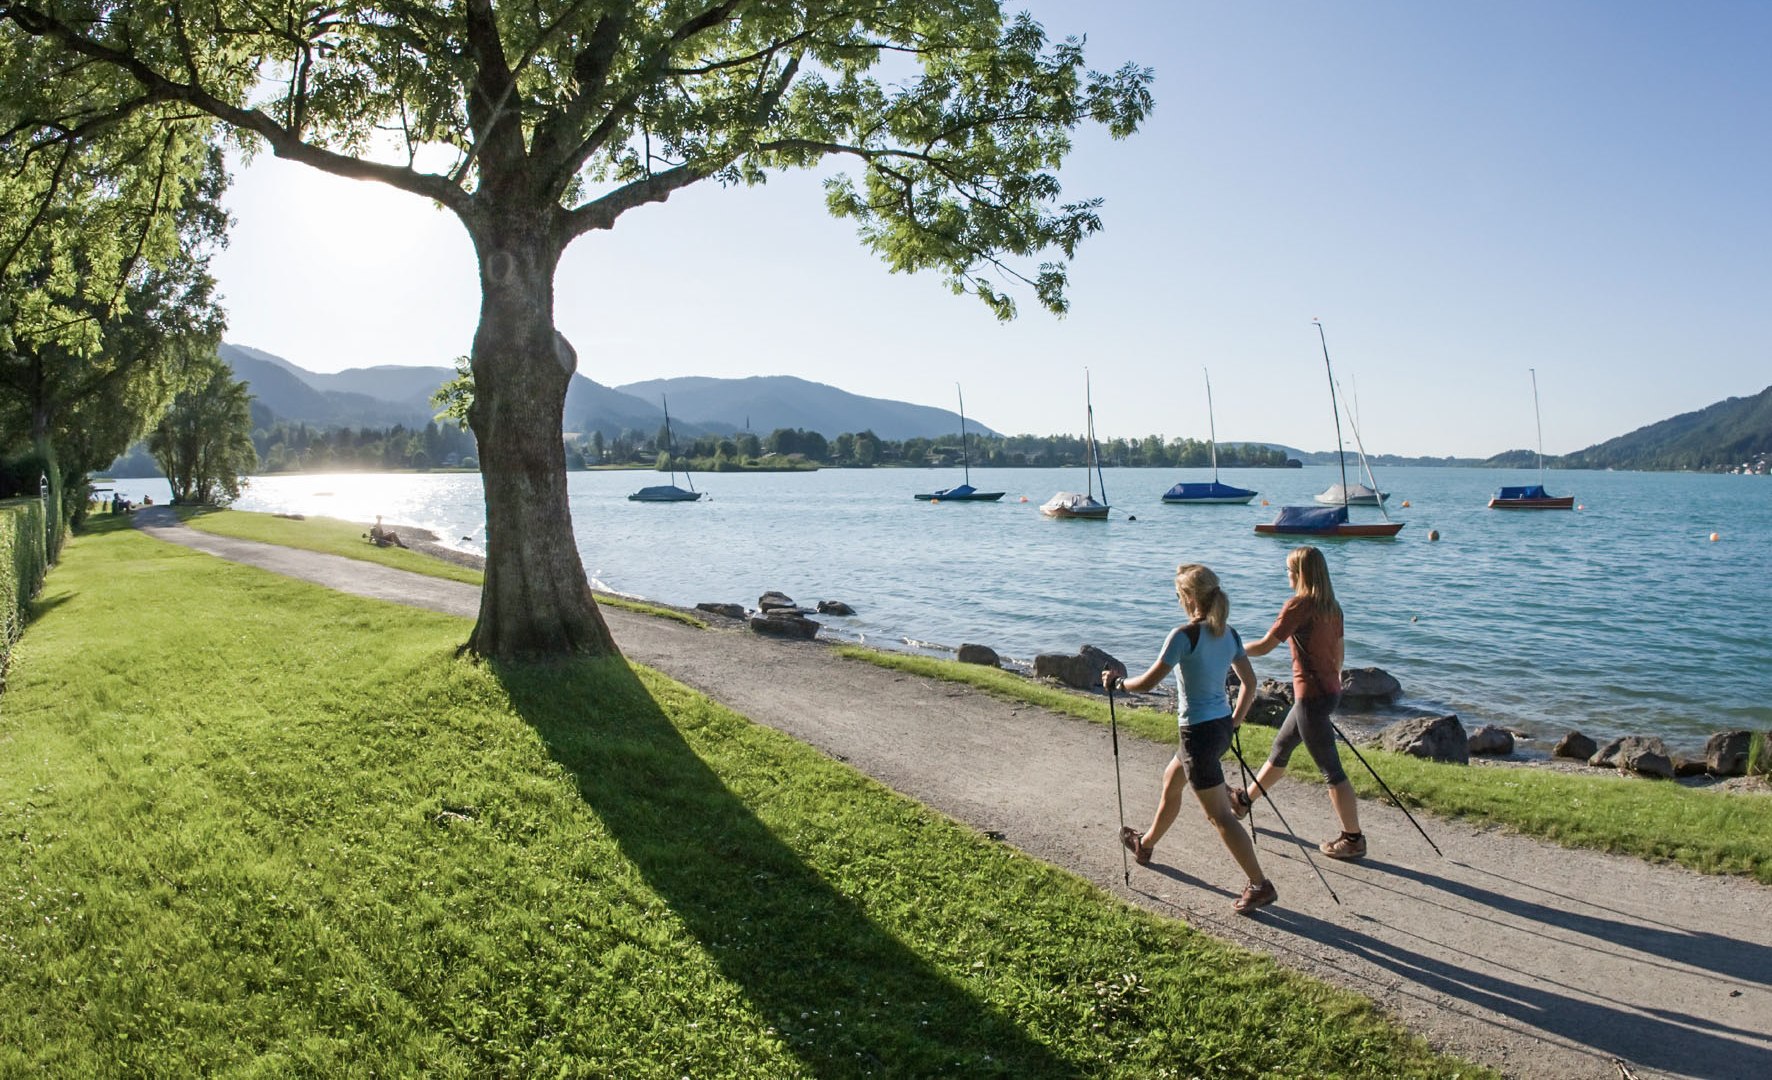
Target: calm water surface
point(1620, 617)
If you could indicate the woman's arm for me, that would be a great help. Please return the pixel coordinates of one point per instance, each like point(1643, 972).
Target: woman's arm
point(1140, 683)
point(1266, 645)
point(1245, 691)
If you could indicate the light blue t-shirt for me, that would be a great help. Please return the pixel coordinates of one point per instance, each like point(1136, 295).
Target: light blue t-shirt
point(1200, 669)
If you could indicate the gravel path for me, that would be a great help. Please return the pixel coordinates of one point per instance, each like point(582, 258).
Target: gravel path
point(1534, 959)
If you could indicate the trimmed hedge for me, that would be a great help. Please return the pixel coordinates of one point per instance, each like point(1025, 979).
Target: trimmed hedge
point(23, 562)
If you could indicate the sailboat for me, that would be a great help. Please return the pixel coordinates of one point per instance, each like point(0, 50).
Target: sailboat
point(1069, 504)
point(668, 492)
point(1532, 497)
point(1215, 492)
point(1358, 494)
point(965, 492)
point(1328, 521)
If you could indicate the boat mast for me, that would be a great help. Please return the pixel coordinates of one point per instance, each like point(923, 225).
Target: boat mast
point(1540, 422)
point(1211, 424)
point(1089, 436)
point(1334, 407)
point(1353, 420)
point(964, 463)
point(670, 452)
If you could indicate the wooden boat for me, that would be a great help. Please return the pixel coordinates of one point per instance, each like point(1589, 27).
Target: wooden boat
point(1069, 504)
point(1331, 522)
point(663, 493)
point(1532, 497)
point(964, 492)
point(1214, 493)
point(1327, 522)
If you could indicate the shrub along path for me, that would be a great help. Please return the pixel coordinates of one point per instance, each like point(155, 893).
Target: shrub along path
point(1539, 960)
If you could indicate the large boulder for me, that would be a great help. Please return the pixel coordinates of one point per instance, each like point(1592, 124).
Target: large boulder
point(979, 654)
point(834, 607)
point(1365, 688)
point(772, 599)
point(1647, 761)
point(731, 611)
point(1690, 766)
point(1725, 753)
point(784, 623)
point(1273, 699)
point(1438, 738)
point(1574, 745)
point(1612, 755)
point(1082, 670)
point(1490, 739)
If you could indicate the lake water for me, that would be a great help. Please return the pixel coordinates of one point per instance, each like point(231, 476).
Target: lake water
point(1621, 617)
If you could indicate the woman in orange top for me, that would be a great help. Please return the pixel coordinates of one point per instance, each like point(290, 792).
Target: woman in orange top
point(1311, 621)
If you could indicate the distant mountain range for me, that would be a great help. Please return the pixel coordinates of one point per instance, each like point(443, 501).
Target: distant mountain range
point(1727, 435)
point(388, 394)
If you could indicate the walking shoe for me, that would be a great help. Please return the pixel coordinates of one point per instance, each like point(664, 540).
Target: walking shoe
point(1241, 802)
point(1255, 896)
point(1346, 846)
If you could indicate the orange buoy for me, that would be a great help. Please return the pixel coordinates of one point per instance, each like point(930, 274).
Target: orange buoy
point(932, 502)
point(1024, 498)
point(1264, 502)
point(1714, 538)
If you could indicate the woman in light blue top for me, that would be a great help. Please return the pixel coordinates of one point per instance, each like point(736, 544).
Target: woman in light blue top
point(1202, 653)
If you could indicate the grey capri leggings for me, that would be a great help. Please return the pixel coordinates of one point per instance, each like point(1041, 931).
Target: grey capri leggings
point(1309, 722)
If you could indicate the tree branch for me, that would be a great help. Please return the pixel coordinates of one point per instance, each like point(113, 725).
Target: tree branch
point(283, 142)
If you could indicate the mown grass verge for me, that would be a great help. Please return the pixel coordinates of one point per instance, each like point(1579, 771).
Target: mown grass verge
point(1715, 832)
point(256, 827)
point(334, 536)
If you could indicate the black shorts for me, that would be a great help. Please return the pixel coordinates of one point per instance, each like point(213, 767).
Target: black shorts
point(1202, 745)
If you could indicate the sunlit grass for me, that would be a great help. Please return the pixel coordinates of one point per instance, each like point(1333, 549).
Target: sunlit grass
point(1715, 832)
point(333, 536)
point(255, 827)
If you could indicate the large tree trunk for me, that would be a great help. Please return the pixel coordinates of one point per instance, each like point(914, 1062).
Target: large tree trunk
point(536, 601)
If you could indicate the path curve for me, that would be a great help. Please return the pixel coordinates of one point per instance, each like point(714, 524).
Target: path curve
point(1537, 960)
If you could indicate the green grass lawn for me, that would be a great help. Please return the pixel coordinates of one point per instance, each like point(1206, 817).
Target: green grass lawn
point(255, 827)
point(333, 536)
point(1715, 832)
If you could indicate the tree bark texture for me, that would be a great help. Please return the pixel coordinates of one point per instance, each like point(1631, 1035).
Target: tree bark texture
point(536, 600)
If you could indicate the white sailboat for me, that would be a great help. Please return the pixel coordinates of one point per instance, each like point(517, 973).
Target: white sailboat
point(1070, 504)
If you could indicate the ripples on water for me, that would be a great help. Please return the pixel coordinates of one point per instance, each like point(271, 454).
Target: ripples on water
point(1620, 617)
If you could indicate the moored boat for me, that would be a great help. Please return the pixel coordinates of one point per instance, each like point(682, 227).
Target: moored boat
point(662, 493)
point(1532, 497)
point(1326, 522)
point(964, 492)
point(1084, 507)
point(1212, 493)
point(1332, 521)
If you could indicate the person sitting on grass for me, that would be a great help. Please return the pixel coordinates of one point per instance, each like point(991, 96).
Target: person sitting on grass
point(1202, 653)
point(381, 537)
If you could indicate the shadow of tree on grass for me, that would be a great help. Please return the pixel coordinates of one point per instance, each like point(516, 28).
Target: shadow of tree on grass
point(793, 944)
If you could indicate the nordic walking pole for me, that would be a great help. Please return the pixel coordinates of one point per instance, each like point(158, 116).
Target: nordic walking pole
point(1248, 781)
point(1236, 747)
point(1119, 793)
point(1387, 789)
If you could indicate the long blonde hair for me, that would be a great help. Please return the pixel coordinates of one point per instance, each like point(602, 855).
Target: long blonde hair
point(1199, 585)
point(1310, 579)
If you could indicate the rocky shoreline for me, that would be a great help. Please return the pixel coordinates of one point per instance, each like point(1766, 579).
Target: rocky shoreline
point(1367, 692)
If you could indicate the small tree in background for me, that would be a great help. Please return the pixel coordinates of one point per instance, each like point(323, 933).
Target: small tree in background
point(204, 442)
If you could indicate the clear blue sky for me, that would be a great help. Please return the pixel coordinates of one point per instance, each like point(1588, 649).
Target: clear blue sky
point(1460, 192)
